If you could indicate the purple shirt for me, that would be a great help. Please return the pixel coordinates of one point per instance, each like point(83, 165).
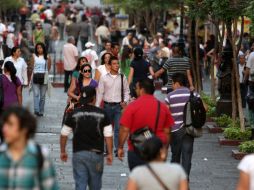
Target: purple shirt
point(10, 91)
point(177, 100)
point(93, 83)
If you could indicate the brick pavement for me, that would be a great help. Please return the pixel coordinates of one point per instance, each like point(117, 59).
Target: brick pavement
point(213, 168)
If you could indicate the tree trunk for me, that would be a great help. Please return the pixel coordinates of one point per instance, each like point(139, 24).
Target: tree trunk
point(198, 81)
point(237, 83)
point(241, 35)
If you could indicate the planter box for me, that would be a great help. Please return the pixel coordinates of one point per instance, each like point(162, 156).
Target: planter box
point(238, 155)
point(209, 119)
point(213, 128)
point(229, 142)
point(57, 85)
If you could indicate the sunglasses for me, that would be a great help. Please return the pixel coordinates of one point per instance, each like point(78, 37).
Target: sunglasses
point(87, 71)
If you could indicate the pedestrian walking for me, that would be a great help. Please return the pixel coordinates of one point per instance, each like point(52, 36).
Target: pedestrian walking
point(84, 79)
point(4, 52)
point(181, 143)
point(140, 114)
point(61, 20)
point(23, 163)
point(126, 59)
point(42, 64)
point(246, 179)
point(114, 91)
point(91, 56)
point(107, 49)
point(102, 34)
point(156, 175)
point(85, 32)
point(47, 28)
point(243, 85)
point(177, 63)
point(19, 64)
point(11, 86)
point(73, 29)
point(104, 68)
point(70, 54)
point(139, 70)
point(10, 38)
point(90, 127)
point(38, 34)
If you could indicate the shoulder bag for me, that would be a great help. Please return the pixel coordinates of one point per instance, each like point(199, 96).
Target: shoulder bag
point(141, 135)
point(39, 78)
point(157, 177)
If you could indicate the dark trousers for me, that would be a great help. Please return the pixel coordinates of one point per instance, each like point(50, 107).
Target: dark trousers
point(244, 90)
point(134, 160)
point(67, 79)
point(61, 30)
point(83, 41)
point(182, 147)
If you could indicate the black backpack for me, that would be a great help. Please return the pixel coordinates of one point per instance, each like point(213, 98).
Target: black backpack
point(194, 112)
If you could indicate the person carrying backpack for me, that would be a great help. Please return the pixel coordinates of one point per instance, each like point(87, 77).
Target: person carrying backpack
point(181, 140)
point(23, 163)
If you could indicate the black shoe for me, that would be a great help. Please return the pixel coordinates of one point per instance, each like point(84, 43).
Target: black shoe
point(37, 114)
point(40, 114)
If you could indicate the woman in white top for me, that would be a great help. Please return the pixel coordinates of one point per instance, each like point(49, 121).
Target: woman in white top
point(42, 64)
point(246, 167)
point(157, 174)
point(10, 39)
point(104, 68)
point(19, 64)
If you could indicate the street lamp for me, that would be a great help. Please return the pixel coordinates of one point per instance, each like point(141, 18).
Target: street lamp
point(181, 37)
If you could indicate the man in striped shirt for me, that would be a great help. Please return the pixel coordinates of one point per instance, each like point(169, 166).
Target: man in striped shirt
point(176, 64)
point(181, 143)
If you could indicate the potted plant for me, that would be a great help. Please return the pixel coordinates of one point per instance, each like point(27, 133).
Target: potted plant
point(245, 148)
point(233, 135)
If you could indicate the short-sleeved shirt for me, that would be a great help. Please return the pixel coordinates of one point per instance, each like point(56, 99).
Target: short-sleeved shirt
point(247, 166)
point(250, 65)
point(69, 53)
point(10, 91)
point(142, 112)
point(91, 56)
point(170, 174)
point(176, 65)
point(177, 100)
point(87, 123)
point(141, 69)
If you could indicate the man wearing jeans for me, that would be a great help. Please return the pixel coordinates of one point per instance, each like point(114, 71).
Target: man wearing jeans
point(90, 126)
point(181, 143)
point(70, 54)
point(114, 91)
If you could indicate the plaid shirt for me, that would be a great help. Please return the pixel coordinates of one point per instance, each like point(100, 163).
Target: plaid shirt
point(24, 174)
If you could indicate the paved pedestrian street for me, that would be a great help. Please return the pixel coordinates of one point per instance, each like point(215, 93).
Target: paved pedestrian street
point(213, 168)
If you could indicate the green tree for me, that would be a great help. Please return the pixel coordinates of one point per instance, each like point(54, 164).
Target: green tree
point(227, 13)
point(144, 11)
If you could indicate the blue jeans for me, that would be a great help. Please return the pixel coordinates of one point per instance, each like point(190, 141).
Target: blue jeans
point(87, 170)
point(39, 97)
point(114, 114)
point(182, 146)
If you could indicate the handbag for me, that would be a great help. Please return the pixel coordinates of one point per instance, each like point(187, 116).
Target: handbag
point(157, 177)
point(39, 78)
point(141, 135)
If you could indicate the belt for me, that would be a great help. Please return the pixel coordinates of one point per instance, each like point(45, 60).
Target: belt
point(112, 103)
point(96, 151)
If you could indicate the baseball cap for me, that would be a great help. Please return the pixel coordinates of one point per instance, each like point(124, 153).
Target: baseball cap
point(87, 94)
point(89, 44)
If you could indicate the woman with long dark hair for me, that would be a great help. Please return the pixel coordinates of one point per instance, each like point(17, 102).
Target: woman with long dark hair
point(42, 63)
point(19, 64)
point(104, 68)
point(157, 174)
point(12, 94)
point(73, 89)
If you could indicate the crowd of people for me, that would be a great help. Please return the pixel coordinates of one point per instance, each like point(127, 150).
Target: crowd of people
point(110, 87)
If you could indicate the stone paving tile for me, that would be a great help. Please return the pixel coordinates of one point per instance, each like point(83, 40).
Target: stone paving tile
point(213, 168)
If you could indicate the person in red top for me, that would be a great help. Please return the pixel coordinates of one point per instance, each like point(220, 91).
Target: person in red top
point(141, 113)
